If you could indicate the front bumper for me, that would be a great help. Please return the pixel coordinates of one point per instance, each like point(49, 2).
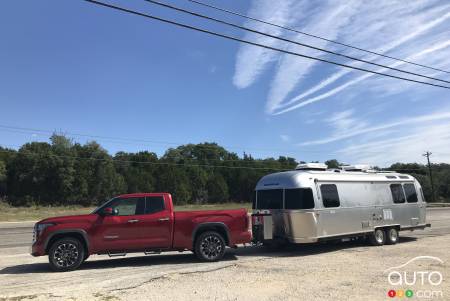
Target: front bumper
point(38, 248)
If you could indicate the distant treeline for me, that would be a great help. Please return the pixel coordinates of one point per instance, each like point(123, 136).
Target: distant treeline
point(66, 173)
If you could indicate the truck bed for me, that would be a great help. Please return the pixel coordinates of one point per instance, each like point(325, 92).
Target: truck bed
point(186, 223)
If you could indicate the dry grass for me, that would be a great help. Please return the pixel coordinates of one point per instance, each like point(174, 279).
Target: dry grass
point(34, 213)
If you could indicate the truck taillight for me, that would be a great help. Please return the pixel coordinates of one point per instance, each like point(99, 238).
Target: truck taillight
point(247, 221)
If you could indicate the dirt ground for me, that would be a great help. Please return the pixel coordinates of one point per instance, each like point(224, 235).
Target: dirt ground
point(337, 271)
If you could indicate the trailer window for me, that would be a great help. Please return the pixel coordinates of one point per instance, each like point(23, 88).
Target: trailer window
point(300, 198)
point(330, 196)
point(410, 192)
point(269, 199)
point(397, 193)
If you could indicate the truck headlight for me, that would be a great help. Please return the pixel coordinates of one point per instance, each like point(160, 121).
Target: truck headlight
point(38, 228)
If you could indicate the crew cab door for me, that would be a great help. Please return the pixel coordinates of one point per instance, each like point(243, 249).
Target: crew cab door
point(155, 225)
point(138, 223)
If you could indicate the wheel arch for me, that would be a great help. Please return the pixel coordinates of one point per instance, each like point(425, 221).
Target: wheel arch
point(218, 227)
point(79, 234)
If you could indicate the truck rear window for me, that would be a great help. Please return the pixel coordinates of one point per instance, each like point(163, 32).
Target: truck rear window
point(299, 198)
point(154, 204)
point(269, 199)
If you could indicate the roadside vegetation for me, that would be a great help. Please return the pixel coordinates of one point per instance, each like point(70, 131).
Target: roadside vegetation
point(65, 173)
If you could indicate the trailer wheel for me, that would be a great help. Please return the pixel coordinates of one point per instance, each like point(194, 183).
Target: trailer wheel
point(210, 246)
point(391, 236)
point(378, 237)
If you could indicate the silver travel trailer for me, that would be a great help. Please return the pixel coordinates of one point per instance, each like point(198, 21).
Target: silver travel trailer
point(314, 203)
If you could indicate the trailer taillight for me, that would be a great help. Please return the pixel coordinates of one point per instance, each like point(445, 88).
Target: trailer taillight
point(257, 220)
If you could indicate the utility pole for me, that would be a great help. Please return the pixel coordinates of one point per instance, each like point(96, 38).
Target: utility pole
point(428, 154)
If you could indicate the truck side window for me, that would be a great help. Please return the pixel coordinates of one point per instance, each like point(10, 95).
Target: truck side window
point(397, 193)
point(154, 204)
point(410, 192)
point(298, 198)
point(330, 196)
point(128, 206)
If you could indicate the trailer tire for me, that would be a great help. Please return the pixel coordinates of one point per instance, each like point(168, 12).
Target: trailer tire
point(391, 236)
point(378, 237)
point(209, 246)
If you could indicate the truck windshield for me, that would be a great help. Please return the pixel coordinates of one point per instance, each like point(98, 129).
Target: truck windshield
point(269, 199)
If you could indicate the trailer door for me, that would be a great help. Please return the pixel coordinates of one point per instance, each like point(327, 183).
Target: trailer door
point(332, 218)
point(412, 203)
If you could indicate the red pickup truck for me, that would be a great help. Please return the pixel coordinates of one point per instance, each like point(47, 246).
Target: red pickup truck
point(141, 222)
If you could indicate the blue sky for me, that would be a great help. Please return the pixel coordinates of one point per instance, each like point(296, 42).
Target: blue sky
point(74, 67)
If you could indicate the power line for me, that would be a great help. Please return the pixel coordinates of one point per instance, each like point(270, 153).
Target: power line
point(289, 40)
point(313, 36)
point(256, 44)
point(25, 130)
point(28, 153)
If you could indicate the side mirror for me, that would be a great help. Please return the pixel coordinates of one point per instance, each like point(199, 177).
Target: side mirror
point(107, 211)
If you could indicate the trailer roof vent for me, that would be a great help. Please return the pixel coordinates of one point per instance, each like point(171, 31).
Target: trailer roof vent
point(312, 166)
point(357, 167)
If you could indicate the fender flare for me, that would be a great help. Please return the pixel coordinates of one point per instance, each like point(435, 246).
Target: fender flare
point(68, 231)
point(212, 225)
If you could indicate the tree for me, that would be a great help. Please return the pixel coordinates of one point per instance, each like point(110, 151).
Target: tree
point(2, 179)
point(333, 163)
point(217, 189)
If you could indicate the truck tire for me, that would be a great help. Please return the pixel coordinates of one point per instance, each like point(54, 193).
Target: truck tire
point(209, 246)
point(391, 236)
point(66, 254)
point(378, 237)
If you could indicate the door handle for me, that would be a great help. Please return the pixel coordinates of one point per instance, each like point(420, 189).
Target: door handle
point(163, 219)
point(132, 221)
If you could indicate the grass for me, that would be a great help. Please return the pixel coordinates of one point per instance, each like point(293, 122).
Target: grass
point(35, 213)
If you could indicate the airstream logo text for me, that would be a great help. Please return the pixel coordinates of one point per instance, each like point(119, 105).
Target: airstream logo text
point(428, 280)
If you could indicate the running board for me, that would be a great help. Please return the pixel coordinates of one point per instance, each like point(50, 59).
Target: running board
point(152, 252)
point(116, 254)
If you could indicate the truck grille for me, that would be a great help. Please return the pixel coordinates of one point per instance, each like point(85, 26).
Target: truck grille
point(34, 234)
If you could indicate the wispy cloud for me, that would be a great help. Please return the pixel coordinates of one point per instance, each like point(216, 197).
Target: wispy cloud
point(251, 62)
point(365, 24)
point(388, 123)
point(359, 130)
point(285, 138)
point(435, 48)
point(408, 146)
point(292, 70)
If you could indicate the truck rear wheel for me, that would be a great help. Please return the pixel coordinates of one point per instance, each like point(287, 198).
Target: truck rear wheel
point(391, 236)
point(209, 246)
point(378, 237)
point(66, 254)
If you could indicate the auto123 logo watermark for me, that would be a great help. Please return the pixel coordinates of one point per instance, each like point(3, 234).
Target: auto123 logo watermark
point(419, 277)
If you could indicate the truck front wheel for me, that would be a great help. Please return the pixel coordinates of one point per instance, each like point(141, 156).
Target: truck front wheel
point(209, 246)
point(66, 254)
